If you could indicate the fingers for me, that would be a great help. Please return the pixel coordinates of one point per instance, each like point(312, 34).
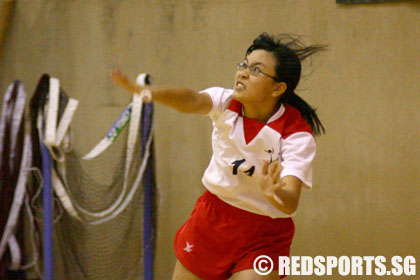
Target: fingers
point(271, 180)
point(266, 185)
point(274, 171)
point(122, 80)
point(265, 167)
point(116, 72)
point(117, 76)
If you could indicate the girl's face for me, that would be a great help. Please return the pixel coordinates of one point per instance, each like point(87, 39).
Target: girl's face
point(253, 86)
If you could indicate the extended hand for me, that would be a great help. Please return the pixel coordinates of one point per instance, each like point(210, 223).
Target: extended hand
point(121, 80)
point(271, 181)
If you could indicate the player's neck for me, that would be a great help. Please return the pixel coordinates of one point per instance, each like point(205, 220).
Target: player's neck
point(261, 112)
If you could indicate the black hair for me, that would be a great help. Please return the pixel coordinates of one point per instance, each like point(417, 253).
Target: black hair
point(289, 51)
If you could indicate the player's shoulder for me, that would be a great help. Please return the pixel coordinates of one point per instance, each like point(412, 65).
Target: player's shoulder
point(220, 98)
point(216, 90)
point(219, 95)
point(290, 122)
point(294, 122)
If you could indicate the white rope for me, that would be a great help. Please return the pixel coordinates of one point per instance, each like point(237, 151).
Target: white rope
point(52, 112)
point(135, 114)
point(132, 113)
point(18, 195)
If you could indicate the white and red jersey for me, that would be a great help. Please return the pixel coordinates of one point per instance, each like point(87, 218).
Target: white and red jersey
point(240, 146)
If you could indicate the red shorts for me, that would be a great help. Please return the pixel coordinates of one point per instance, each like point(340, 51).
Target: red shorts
point(219, 239)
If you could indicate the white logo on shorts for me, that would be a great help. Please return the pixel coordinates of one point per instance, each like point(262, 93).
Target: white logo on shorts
point(189, 247)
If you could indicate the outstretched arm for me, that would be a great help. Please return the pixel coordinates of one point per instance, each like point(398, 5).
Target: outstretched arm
point(181, 99)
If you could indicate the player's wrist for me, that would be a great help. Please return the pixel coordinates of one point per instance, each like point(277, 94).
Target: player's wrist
point(276, 198)
point(147, 94)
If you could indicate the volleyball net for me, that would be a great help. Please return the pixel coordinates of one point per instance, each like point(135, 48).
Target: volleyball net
point(88, 216)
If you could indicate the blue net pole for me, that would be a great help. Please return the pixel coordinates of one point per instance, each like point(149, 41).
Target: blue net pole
point(48, 214)
point(149, 184)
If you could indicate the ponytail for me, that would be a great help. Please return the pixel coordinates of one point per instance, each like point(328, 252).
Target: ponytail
point(308, 113)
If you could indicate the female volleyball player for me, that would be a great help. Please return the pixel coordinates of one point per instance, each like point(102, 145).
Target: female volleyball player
point(263, 148)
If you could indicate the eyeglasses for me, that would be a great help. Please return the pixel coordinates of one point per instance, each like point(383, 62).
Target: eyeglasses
point(253, 70)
